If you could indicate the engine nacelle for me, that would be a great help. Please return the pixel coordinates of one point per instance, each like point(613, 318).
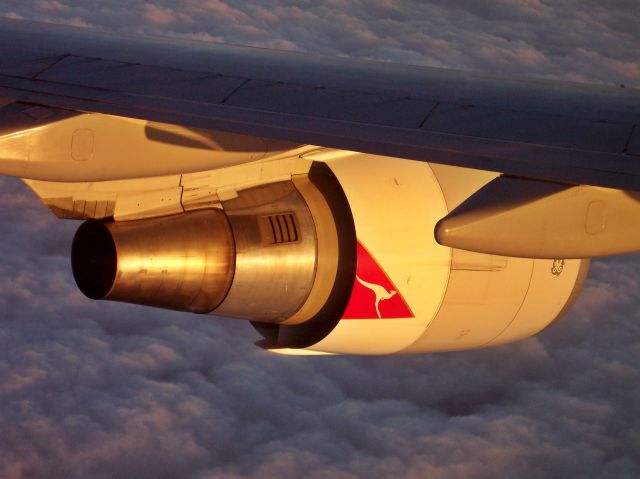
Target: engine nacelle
point(340, 260)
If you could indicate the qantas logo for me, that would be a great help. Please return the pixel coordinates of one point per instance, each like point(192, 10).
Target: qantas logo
point(374, 294)
point(380, 292)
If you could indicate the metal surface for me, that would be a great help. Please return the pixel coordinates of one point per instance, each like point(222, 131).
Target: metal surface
point(256, 259)
point(272, 278)
point(336, 264)
point(457, 299)
point(538, 219)
point(543, 129)
point(57, 145)
point(182, 262)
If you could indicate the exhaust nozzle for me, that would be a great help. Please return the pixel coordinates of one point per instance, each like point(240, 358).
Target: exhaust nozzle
point(184, 262)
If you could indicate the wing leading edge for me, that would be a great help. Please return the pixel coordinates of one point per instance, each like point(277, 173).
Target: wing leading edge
point(559, 131)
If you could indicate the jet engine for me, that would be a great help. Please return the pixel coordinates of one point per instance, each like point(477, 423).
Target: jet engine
point(341, 259)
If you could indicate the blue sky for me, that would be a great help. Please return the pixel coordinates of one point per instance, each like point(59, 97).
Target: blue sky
point(92, 389)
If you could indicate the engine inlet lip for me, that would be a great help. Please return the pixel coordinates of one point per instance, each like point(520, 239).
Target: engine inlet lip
point(94, 260)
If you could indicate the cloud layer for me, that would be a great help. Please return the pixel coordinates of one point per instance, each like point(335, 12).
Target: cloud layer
point(108, 390)
point(586, 40)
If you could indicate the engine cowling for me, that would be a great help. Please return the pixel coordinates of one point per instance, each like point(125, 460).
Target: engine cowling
point(340, 260)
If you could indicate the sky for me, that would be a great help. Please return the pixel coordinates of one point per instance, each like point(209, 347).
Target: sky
point(102, 390)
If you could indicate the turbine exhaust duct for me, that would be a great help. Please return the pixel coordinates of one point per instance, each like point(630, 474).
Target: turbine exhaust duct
point(184, 262)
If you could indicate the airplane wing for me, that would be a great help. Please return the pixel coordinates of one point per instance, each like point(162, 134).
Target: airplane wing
point(566, 132)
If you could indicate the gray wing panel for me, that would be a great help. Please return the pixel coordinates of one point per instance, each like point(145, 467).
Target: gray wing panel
point(560, 131)
point(634, 143)
point(528, 127)
point(343, 105)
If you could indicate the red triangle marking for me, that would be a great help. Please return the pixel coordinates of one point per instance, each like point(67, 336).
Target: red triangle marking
point(373, 285)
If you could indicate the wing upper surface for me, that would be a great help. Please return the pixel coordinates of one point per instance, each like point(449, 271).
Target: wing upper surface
point(560, 131)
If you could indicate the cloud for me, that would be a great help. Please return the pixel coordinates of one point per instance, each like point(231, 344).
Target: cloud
point(98, 389)
point(157, 15)
point(584, 41)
